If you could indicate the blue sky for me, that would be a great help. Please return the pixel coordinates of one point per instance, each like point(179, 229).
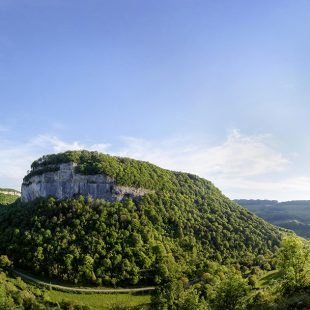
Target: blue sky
point(216, 88)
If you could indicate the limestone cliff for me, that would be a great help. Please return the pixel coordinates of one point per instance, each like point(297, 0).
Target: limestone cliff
point(65, 183)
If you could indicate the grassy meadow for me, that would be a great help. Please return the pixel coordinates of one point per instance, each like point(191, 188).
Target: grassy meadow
point(103, 301)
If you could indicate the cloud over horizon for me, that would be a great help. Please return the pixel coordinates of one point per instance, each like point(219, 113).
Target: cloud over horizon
point(239, 155)
point(242, 166)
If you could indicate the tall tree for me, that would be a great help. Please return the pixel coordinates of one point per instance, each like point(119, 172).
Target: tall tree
point(293, 260)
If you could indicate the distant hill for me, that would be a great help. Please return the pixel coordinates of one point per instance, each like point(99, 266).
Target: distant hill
point(180, 223)
point(294, 215)
point(8, 196)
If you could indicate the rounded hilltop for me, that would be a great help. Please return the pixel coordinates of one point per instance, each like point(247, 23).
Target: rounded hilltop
point(90, 173)
point(151, 223)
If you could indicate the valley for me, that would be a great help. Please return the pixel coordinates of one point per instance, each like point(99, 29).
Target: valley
point(293, 215)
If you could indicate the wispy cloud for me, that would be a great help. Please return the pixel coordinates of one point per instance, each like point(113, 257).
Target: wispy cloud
point(241, 165)
point(52, 143)
point(15, 159)
point(284, 188)
point(239, 155)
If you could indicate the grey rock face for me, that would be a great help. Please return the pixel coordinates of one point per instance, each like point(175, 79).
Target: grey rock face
point(65, 183)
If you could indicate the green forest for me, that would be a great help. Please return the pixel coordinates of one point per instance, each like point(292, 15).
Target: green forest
point(198, 248)
point(185, 223)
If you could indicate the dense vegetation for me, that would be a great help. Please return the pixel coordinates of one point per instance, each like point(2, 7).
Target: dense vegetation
point(219, 287)
point(200, 249)
point(294, 215)
point(125, 171)
point(226, 287)
point(177, 229)
point(132, 242)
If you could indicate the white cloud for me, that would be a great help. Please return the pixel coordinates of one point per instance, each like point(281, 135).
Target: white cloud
point(57, 145)
point(238, 156)
point(54, 144)
point(15, 159)
point(287, 188)
point(241, 166)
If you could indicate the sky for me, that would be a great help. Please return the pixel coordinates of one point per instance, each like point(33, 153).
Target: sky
point(216, 88)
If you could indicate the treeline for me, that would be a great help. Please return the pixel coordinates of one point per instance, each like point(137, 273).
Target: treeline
point(124, 171)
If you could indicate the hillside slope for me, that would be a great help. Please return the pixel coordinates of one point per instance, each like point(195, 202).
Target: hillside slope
point(294, 215)
point(8, 196)
point(177, 228)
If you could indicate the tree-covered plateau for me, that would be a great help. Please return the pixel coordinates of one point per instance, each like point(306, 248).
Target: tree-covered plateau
point(177, 229)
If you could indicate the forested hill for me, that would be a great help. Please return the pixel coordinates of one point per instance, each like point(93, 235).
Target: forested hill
point(8, 196)
point(177, 228)
point(294, 215)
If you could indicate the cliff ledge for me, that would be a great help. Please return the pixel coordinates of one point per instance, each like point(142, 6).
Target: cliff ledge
point(65, 183)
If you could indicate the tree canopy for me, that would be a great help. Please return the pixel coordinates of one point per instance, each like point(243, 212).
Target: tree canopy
point(177, 228)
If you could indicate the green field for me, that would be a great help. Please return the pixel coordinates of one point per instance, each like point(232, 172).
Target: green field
point(103, 301)
point(15, 287)
point(6, 199)
point(268, 278)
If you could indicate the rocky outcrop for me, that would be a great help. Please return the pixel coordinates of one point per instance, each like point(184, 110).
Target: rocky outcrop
point(66, 183)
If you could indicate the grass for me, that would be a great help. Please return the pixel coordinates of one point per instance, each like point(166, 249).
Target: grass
point(103, 301)
point(268, 278)
point(118, 301)
point(6, 199)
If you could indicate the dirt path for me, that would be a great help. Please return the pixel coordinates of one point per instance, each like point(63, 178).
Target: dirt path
point(84, 290)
